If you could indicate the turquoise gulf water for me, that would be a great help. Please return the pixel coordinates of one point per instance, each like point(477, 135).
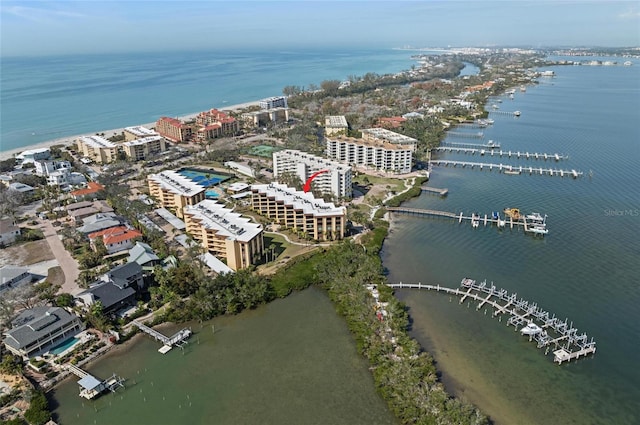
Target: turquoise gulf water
point(47, 98)
point(585, 269)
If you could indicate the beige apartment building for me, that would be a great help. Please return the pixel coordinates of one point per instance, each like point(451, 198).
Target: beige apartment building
point(297, 210)
point(335, 124)
point(215, 123)
point(372, 153)
point(225, 234)
point(140, 149)
point(174, 129)
point(174, 191)
point(97, 148)
point(137, 132)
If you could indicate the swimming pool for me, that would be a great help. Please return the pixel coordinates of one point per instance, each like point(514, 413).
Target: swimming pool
point(209, 194)
point(203, 177)
point(64, 346)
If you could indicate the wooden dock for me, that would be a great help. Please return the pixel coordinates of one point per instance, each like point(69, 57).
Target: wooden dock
point(507, 169)
point(441, 192)
point(90, 386)
point(478, 135)
point(489, 145)
point(179, 338)
point(475, 219)
point(501, 153)
point(549, 331)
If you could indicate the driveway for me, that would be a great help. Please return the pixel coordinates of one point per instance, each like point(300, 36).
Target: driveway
point(68, 264)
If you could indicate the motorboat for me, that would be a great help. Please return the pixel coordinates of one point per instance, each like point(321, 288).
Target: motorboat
point(531, 329)
point(536, 217)
point(539, 229)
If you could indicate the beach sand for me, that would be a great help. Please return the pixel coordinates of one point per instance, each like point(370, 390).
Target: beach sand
point(70, 140)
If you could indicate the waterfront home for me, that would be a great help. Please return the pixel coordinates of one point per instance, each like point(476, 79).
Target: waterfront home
point(115, 289)
point(299, 210)
point(33, 155)
point(13, 276)
point(9, 232)
point(37, 330)
point(25, 190)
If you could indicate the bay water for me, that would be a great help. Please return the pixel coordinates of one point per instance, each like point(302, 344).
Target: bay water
point(586, 269)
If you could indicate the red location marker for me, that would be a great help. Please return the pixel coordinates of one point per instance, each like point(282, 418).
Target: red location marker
point(307, 185)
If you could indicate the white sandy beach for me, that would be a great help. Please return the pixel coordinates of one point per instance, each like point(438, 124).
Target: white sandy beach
point(69, 140)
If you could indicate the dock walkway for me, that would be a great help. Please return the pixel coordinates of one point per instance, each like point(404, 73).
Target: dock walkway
point(90, 386)
point(179, 338)
point(547, 331)
point(501, 153)
point(508, 169)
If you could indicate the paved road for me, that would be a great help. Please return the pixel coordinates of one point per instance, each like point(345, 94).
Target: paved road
point(68, 264)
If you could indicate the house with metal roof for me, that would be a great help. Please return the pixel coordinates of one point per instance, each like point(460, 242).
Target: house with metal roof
point(143, 254)
point(9, 232)
point(37, 330)
point(12, 277)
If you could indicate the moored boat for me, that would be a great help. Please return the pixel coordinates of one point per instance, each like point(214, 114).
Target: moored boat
point(531, 329)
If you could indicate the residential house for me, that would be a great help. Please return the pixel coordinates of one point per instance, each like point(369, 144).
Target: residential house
point(143, 254)
point(89, 192)
point(9, 232)
point(115, 290)
point(37, 330)
point(13, 276)
point(100, 221)
point(115, 239)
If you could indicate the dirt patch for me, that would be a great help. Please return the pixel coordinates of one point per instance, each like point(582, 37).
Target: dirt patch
point(26, 253)
point(56, 275)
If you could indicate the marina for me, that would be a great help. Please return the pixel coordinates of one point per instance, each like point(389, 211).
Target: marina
point(550, 332)
point(508, 169)
point(91, 387)
point(510, 154)
point(533, 223)
point(179, 338)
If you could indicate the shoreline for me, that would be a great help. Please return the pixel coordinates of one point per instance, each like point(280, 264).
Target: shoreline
point(69, 140)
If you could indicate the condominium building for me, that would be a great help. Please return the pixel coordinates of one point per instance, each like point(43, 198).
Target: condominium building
point(385, 135)
point(215, 123)
point(174, 191)
point(225, 234)
point(300, 211)
point(372, 153)
point(273, 102)
point(173, 129)
point(335, 181)
point(140, 149)
point(97, 148)
point(335, 124)
point(137, 132)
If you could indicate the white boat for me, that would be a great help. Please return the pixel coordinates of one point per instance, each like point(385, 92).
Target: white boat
point(517, 113)
point(539, 230)
point(489, 121)
point(475, 220)
point(537, 217)
point(511, 96)
point(494, 106)
point(523, 88)
point(512, 172)
point(531, 329)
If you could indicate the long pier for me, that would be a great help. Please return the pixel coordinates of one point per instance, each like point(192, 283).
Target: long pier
point(498, 112)
point(508, 169)
point(441, 192)
point(478, 135)
point(501, 153)
point(549, 332)
point(179, 338)
point(90, 386)
point(476, 219)
point(489, 145)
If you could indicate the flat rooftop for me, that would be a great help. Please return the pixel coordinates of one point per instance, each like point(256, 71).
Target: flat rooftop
point(299, 200)
point(310, 159)
point(97, 142)
point(176, 183)
point(143, 140)
point(140, 131)
point(213, 215)
point(389, 136)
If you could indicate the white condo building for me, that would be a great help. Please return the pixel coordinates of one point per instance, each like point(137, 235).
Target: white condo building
point(384, 135)
point(337, 181)
point(372, 153)
point(138, 132)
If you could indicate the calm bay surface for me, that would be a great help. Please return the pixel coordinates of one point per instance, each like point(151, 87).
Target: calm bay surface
point(292, 361)
point(585, 269)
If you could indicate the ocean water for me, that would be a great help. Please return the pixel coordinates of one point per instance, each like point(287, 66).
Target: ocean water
point(45, 98)
point(585, 269)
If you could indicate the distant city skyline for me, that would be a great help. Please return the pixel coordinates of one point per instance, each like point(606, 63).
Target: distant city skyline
point(70, 27)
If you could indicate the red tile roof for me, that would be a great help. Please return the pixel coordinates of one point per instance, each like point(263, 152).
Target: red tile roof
point(92, 187)
point(128, 235)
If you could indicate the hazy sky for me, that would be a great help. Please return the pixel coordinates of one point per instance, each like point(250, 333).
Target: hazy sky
point(54, 26)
